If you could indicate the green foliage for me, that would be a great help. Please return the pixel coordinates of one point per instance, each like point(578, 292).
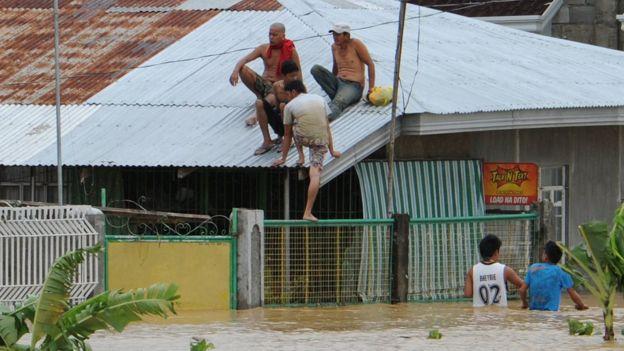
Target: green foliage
point(576, 327)
point(53, 300)
point(59, 327)
point(598, 263)
point(201, 345)
point(434, 334)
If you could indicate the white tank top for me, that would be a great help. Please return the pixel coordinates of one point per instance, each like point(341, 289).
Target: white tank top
point(488, 285)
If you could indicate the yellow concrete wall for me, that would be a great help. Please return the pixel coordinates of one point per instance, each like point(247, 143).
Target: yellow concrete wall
point(201, 269)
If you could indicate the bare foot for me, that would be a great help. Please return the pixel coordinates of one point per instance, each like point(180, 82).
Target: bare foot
point(301, 161)
point(251, 121)
point(310, 218)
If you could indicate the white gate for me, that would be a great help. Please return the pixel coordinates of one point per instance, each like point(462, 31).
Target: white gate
point(32, 238)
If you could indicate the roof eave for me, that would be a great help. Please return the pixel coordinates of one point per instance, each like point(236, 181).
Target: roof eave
point(540, 24)
point(358, 152)
point(428, 123)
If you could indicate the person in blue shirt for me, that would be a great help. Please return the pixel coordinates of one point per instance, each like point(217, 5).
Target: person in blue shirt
point(545, 281)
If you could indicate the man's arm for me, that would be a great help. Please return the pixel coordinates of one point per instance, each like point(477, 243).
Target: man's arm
point(330, 142)
point(334, 65)
point(578, 302)
point(295, 57)
point(514, 278)
point(362, 52)
point(288, 131)
point(468, 284)
point(256, 53)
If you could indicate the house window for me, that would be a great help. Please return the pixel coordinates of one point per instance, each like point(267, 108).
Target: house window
point(16, 184)
point(554, 188)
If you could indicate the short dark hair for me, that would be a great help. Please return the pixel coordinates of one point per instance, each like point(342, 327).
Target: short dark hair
point(289, 66)
point(488, 246)
point(553, 252)
point(296, 85)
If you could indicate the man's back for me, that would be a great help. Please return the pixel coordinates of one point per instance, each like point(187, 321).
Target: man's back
point(489, 286)
point(545, 281)
point(308, 113)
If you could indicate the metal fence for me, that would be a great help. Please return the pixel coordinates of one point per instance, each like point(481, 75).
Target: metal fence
point(331, 262)
point(349, 261)
point(32, 238)
point(442, 250)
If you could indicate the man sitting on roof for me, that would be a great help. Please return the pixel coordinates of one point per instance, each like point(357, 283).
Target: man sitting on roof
point(273, 54)
point(271, 115)
point(305, 119)
point(345, 83)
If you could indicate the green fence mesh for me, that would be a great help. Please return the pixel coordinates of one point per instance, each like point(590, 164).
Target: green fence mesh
point(349, 261)
point(336, 262)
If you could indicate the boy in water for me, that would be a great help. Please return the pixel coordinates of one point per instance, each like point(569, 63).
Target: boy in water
point(546, 280)
point(486, 282)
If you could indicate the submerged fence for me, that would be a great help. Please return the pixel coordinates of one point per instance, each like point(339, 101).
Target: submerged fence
point(442, 250)
point(334, 261)
point(349, 261)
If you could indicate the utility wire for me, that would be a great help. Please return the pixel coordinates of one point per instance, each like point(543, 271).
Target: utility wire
point(195, 58)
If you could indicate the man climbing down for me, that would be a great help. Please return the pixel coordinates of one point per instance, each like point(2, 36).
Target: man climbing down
point(305, 118)
point(273, 54)
point(345, 83)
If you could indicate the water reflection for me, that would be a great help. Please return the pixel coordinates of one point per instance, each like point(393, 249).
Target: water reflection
point(368, 327)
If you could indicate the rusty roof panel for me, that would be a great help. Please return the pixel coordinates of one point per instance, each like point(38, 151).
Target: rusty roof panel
point(97, 48)
point(148, 3)
point(257, 5)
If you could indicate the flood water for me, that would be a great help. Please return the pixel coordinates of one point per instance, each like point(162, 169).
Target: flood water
point(370, 327)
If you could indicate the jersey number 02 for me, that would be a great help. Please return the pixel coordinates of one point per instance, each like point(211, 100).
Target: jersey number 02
point(487, 291)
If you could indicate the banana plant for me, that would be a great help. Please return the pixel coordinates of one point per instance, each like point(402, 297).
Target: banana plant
point(598, 264)
point(55, 325)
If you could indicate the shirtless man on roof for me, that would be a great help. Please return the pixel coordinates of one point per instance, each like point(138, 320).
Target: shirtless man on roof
point(345, 83)
point(273, 54)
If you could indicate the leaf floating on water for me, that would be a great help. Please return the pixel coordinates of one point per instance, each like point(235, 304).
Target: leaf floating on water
point(198, 344)
point(435, 334)
point(576, 327)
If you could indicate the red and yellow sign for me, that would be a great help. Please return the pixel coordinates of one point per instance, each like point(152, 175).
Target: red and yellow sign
point(510, 184)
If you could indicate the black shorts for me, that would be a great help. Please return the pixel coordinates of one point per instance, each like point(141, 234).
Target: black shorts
point(274, 118)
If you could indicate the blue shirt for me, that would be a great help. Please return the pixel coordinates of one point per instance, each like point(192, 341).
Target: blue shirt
point(545, 281)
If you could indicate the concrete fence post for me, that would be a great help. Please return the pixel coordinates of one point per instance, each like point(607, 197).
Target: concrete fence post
point(96, 218)
point(400, 258)
point(250, 258)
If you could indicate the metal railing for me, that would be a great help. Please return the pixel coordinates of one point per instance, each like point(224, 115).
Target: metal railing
point(329, 262)
point(32, 238)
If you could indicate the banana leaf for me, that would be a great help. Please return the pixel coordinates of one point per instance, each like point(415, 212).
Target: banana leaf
point(8, 330)
point(52, 302)
point(115, 310)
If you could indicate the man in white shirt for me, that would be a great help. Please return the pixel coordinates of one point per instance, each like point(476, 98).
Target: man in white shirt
point(305, 119)
point(486, 281)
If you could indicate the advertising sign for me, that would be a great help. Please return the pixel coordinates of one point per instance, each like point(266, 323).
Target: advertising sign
point(510, 184)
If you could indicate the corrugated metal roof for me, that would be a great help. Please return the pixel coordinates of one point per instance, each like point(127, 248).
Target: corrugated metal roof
point(98, 46)
point(29, 130)
point(153, 136)
point(466, 65)
point(463, 65)
point(179, 109)
point(179, 74)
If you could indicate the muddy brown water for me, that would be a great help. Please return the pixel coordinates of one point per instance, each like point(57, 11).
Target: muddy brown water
point(369, 327)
